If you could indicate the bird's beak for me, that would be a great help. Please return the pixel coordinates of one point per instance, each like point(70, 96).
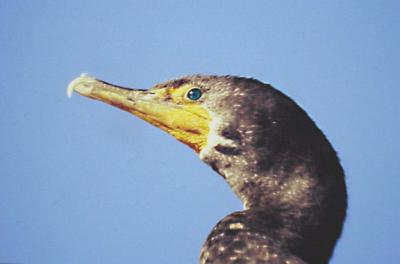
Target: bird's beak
point(188, 123)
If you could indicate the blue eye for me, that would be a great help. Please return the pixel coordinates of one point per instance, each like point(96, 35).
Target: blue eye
point(194, 94)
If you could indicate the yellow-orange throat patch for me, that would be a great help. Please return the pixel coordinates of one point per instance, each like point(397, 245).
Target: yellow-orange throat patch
point(186, 120)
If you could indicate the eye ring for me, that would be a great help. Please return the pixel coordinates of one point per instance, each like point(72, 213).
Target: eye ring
point(194, 94)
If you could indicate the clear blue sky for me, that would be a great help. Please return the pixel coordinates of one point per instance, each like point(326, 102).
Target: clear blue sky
point(82, 182)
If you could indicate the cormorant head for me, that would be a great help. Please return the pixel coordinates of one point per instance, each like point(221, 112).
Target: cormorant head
point(250, 133)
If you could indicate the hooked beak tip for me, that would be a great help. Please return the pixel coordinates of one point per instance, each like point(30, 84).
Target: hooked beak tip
point(82, 85)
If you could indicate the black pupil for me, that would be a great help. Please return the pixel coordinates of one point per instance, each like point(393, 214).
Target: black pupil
point(194, 94)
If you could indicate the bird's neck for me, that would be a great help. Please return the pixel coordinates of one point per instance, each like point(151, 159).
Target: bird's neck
point(302, 194)
point(288, 182)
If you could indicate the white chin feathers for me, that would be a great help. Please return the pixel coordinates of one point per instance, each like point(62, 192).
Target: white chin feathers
point(214, 137)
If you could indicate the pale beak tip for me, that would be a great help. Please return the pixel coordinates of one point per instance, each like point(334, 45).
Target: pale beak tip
point(70, 90)
point(80, 85)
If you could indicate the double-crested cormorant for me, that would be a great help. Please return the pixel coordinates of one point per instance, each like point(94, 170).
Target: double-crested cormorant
point(265, 146)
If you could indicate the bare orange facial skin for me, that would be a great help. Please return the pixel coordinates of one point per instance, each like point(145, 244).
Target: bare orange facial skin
point(167, 108)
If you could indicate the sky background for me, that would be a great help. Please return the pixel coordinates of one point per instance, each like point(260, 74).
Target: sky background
point(83, 182)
